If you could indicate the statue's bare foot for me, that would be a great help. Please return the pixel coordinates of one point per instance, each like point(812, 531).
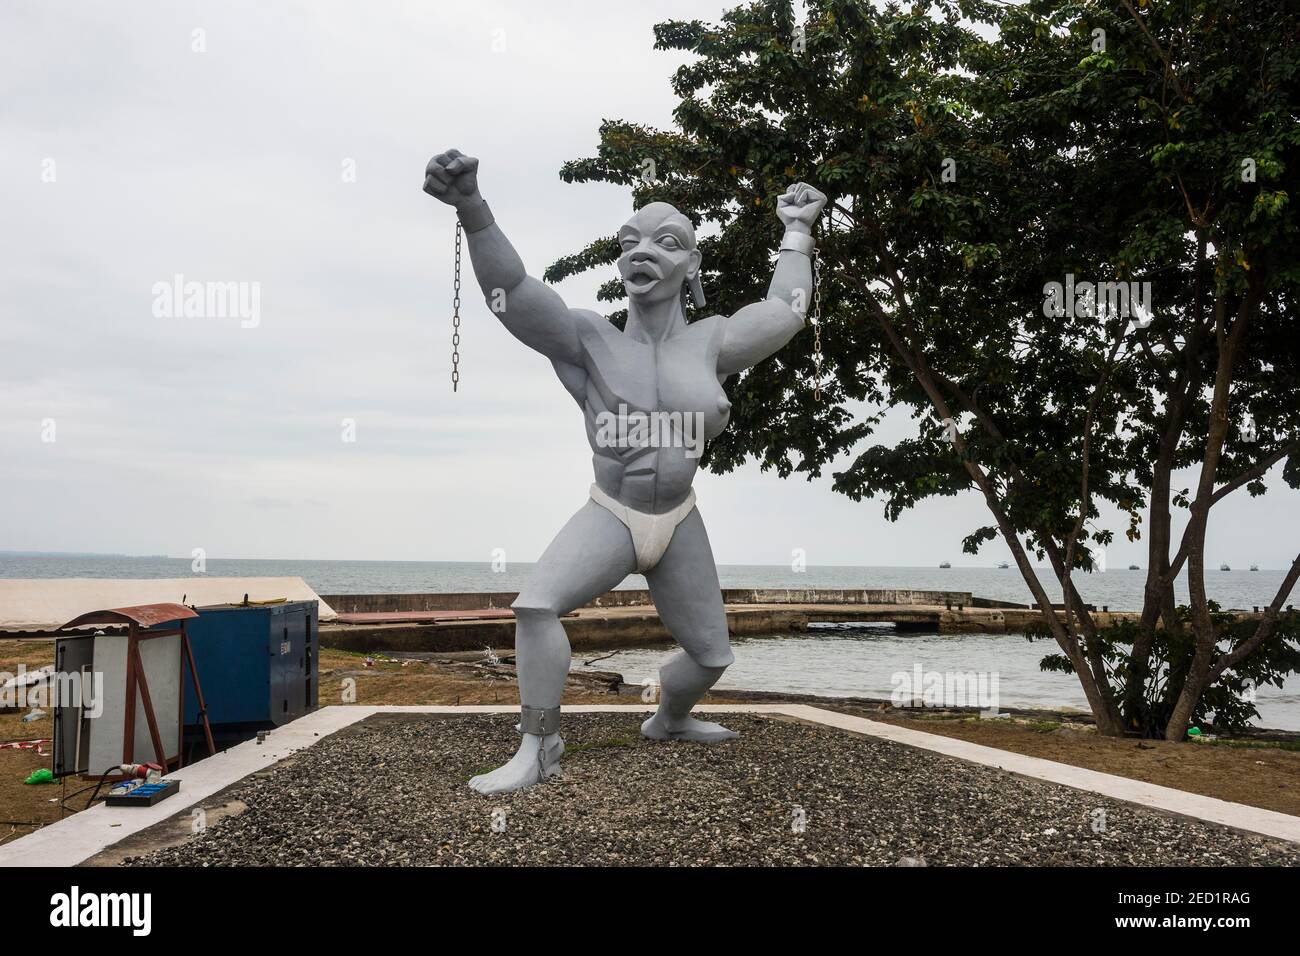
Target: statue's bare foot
point(524, 768)
point(660, 727)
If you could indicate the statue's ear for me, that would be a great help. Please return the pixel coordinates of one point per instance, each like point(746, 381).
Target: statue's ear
point(693, 269)
point(693, 279)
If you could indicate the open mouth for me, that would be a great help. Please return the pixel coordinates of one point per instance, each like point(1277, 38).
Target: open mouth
point(640, 278)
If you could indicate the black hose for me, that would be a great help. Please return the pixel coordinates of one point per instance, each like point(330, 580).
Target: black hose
point(94, 796)
point(64, 802)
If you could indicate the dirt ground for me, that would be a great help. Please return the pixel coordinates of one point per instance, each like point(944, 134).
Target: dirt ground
point(1262, 776)
point(24, 808)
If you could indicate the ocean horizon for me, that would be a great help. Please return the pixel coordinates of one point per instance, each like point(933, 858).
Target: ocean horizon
point(1118, 589)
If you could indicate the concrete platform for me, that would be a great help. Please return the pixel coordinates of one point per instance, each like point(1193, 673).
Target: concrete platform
point(78, 838)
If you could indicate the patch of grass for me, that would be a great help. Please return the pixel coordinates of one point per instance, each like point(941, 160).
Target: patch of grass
point(1040, 726)
point(1292, 745)
point(922, 715)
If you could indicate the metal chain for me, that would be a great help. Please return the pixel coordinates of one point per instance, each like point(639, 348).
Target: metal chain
point(455, 318)
point(816, 321)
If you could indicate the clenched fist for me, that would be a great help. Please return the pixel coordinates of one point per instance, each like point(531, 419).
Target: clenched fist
point(453, 177)
point(799, 206)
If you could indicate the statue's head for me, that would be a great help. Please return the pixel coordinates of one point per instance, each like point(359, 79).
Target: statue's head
point(658, 256)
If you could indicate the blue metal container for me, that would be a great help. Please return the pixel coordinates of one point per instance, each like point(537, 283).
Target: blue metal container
point(257, 663)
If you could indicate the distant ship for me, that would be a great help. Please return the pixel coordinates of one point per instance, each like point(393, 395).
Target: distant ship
point(1134, 567)
point(1004, 565)
point(945, 564)
point(1224, 567)
point(1254, 567)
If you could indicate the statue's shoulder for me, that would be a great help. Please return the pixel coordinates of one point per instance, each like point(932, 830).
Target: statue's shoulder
point(708, 326)
point(590, 322)
point(708, 332)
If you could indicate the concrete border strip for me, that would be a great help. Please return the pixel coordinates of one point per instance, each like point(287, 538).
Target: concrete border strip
point(1237, 816)
point(79, 837)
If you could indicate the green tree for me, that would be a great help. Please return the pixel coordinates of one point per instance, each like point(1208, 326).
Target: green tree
point(975, 153)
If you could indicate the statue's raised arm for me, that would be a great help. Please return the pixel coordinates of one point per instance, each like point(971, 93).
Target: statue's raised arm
point(760, 329)
point(530, 309)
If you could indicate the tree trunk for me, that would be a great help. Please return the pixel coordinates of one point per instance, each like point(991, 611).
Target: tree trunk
point(1194, 536)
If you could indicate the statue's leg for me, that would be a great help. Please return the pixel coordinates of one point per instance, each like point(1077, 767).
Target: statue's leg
point(684, 587)
point(591, 554)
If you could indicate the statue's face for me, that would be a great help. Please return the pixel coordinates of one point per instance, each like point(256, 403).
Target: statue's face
point(659, 253)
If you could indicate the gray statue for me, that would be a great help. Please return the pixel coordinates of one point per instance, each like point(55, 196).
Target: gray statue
point(650, 395)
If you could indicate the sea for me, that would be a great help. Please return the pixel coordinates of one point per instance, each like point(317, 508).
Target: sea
point(830, 661)
point(1119, 589)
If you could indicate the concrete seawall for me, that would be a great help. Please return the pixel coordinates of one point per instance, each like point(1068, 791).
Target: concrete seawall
point(486, 600)
point(451, 622)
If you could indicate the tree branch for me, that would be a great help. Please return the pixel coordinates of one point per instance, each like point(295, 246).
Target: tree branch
point(1093, 404)
point(1258, 470)
point(1266, 627)
point(1169, 69)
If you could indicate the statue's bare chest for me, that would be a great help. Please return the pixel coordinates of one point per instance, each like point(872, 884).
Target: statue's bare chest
point(676, 375)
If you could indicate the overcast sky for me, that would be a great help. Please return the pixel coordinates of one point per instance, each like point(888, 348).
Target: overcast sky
point(129, 157)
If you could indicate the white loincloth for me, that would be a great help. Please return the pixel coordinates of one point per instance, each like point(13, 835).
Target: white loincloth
point(650, 533)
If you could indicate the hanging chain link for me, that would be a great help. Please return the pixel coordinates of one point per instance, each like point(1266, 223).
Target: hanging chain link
point(455, 318)
point(816, 321)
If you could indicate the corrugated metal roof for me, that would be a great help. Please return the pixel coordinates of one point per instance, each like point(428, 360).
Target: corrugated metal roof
point(145, 615)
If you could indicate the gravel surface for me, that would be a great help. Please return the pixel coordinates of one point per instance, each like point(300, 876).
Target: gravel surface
point(392, 790)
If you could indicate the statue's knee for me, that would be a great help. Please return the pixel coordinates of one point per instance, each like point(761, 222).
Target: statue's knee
point(532, 608)
point(717, 656)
